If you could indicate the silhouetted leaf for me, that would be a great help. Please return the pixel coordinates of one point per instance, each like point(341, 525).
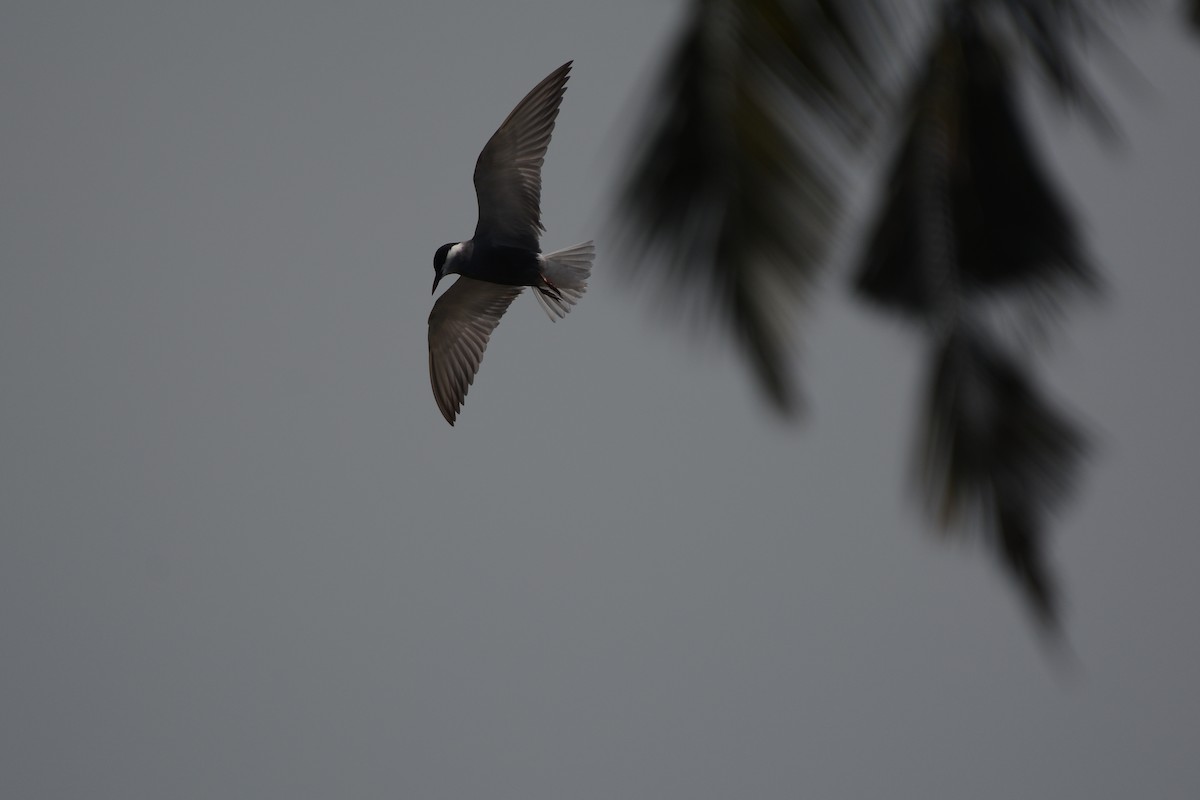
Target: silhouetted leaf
point(967, 157)
point(733, 195)
point(997, 455)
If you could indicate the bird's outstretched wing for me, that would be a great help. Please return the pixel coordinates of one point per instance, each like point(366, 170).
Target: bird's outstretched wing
point(460, 325)
point(508, 174)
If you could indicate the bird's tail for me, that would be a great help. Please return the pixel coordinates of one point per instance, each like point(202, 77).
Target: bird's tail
point(566, 274)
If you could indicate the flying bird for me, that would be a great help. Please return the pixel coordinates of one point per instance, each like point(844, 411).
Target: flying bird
point(504, 256)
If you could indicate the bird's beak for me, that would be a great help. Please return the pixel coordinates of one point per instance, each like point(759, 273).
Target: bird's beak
point(436, 280)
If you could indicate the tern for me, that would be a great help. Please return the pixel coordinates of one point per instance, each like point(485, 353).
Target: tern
point(504, 256)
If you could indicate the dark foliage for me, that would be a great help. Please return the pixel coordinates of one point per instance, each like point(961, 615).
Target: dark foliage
point(967, 156)
point(736, 195)
point(725, 194)
point(997, 454)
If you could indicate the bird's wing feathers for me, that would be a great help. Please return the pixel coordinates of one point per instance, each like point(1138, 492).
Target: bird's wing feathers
point(460, 325)
point(508, 174)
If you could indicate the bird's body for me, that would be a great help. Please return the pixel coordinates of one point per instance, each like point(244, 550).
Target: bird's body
point(504, 256)
point(511, 266)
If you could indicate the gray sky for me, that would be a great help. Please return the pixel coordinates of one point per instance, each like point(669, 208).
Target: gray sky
point(242, 555)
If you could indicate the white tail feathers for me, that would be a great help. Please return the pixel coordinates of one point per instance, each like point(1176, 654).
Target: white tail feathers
point(566, 273)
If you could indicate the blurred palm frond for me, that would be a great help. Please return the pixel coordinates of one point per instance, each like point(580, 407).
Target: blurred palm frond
point(996, 454)
point(729, 195)
point(971, 219)
point(734, 199)
point(967, 156)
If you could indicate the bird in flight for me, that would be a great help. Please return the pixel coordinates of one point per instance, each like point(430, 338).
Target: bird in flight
point(504, 256)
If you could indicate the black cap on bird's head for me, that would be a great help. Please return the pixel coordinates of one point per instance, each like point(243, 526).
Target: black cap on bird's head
point(439, 264)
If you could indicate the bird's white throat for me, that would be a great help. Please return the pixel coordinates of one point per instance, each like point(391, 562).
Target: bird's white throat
point(455, 257)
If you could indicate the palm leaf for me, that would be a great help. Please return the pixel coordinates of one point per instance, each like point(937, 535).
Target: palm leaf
point(971, 218)
point(732, 201)
point(733, 197)
point(967, 156)
point(997, 455)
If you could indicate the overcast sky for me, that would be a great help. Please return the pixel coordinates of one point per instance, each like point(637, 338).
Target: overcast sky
point(242, 554)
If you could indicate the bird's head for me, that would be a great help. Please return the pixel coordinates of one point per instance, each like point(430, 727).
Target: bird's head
point(440, 267)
